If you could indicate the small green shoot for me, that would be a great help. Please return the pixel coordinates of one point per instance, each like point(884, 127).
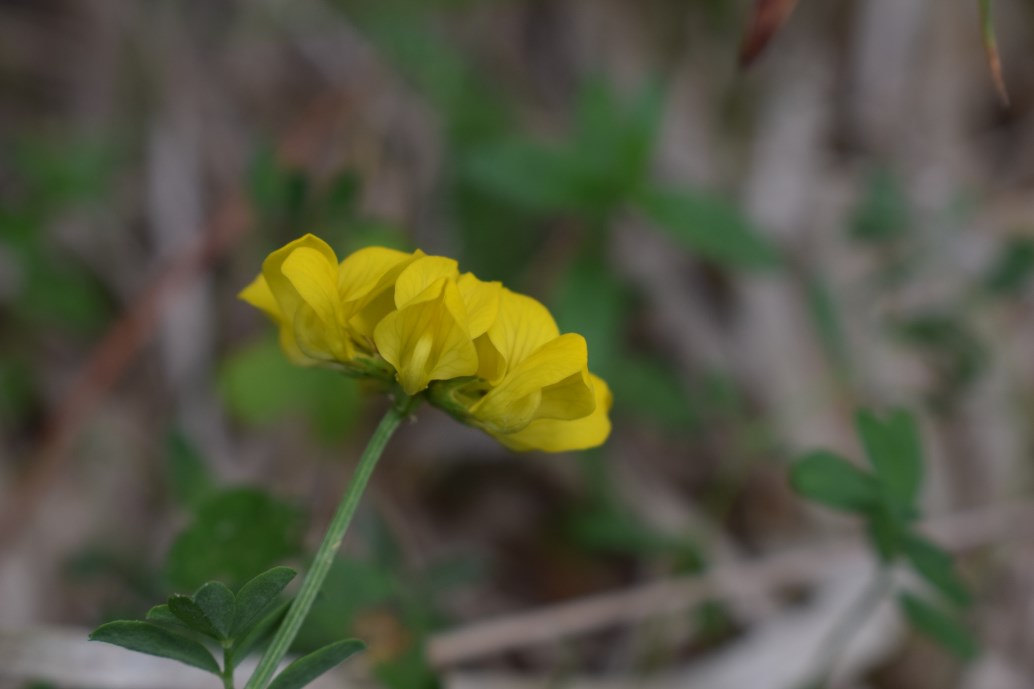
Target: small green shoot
point(886, 497)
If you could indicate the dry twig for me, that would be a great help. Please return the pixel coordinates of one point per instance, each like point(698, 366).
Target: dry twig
point(793, 568)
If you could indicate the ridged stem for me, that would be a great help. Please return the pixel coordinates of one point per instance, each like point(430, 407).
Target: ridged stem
point(313, 581)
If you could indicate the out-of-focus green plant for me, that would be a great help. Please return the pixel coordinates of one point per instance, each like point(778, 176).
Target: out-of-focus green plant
point(259, 387)
point(887, 499)
point(51, 177)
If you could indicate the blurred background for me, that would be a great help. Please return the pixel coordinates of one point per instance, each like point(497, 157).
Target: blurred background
point(751, 254)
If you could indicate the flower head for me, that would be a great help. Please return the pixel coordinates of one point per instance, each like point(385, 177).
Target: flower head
point(492, 358)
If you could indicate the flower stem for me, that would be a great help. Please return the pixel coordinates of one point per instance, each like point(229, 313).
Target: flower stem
point(328, 549)
point(227, 673)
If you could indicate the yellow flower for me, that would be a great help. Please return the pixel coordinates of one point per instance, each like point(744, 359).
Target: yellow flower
point(553, 435)
point(492, 358)
point(439, 314)
point(326, 311)
point(533, 389)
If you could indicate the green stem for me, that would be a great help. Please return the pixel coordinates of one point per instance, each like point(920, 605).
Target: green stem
point(836, 641)
point(227, 674)
point(328, 549)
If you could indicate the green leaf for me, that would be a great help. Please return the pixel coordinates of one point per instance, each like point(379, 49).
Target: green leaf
point(191, 614)
point(191, 484)
point(707, 226)
point(892, 445)
point(1012, 268)
point(149, 638)
point(937, 567)
point(217, 603)
point(530, 175)
point(831, 480)
point(591, 302)
point(886, 531)
point(235, 534)
point(945, 630)
point(307, 668)
point(260, 630)
point(161, 614)
point(255, 597)
point(615, 138)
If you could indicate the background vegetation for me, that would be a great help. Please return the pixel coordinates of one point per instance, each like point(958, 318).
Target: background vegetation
point(752, 255)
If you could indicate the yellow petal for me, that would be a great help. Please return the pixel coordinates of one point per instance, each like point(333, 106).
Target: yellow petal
point(366, 281)
point(418, 282)
point(551, 435)
point(426, 341)
point(491, 365)
point(555, 367)
point(521, 326)
point(289, 345)
point(481, 300)
point(571, 398)
point(366, 273)
point(364, 321)
point(279, 285)
point(314, 278)
point(261, 297)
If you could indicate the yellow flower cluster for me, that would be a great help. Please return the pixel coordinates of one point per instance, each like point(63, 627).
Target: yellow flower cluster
point(492, 358)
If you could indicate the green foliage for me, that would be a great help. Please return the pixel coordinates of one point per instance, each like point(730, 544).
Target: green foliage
point(591, 301)
point(887, 500)
point(610, 531)
point(828, 323)
point(591, 173)
point(707, 226)
point(188, 476)
point(892, 446)
point(256, 597)
point(307, 668)
point(16, 391)
point(649, 389)
point(53, 175)
point(259, 385)
point(937, 567)
point(940, 626)
point(532, 176)
point(236, 623)
point(833, 481)
point(190, 614)
point(58, 293)
point(1012, 268)
point(279, 193)
point(217, 604)
point(883, 213)
point(234, 533)
point(946, 343)
point(145, 637)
